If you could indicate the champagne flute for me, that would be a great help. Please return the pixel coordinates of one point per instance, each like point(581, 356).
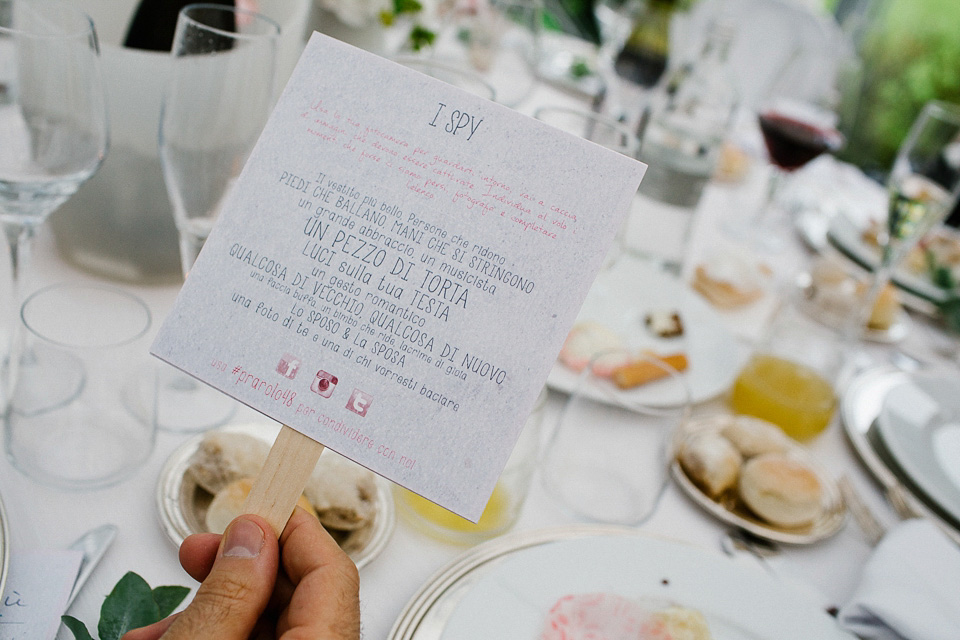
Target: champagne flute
point(924, 186)
point(220, 94)
point(53, 126)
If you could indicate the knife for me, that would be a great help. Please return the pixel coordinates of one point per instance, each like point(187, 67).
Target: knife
point(93, 545)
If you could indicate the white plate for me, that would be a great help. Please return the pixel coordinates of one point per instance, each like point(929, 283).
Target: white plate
point(919, 423)
point(621, 297)
point(512, 599)
point(182, 504)
point(846, 236)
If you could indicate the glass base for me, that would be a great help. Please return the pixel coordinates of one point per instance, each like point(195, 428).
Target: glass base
point(188, 406)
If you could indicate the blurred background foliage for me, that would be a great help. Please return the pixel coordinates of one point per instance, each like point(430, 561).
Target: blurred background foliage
point(910, 54)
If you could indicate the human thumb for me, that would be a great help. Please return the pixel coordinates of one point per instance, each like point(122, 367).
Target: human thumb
point(238, 588)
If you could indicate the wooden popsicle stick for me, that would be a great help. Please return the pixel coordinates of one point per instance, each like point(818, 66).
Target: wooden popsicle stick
point(276, 490)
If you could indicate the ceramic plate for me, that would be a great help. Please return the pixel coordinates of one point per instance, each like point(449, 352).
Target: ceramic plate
point(730, 509)
point(182, 504)
point(845, 236)
point(521, 585)
point(919, 422)
point(620, 299)
point(859, 407)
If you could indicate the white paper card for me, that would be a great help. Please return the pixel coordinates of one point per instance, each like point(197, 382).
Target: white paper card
point(35, 595)
point(396, 270)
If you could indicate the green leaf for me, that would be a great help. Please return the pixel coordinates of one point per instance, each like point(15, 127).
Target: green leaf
point(951, 313)
point(167, 598)
point(406, 6)
point(129, 606)
point(76, 627)
point(421, 37)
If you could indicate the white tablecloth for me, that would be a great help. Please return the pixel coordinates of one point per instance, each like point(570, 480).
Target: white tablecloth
point(40, 517)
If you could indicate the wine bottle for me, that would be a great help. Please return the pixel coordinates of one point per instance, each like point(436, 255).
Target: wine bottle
point(643, 58)
point(155, 21)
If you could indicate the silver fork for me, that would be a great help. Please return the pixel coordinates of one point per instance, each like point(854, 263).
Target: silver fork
point(868, 523)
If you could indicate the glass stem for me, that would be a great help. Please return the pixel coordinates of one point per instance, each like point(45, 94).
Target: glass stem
point(19, 240)
point(856, 324)
point(773, 186)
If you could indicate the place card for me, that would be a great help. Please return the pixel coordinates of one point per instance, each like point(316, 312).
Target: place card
point(396, 269)
point(36, 591)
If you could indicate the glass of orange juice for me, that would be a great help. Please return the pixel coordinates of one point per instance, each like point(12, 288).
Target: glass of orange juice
point(789, 379)
point(504, 505)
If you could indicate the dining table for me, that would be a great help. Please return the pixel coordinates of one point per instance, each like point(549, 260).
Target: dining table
point(826, 572)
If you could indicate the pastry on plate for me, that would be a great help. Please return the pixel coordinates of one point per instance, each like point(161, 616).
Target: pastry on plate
point(710, 461)
point(228, 503)
point(586, 341)
point(599, 615)
point(342, 492)
point(729, 281)
point(224, 457)
point(781, 490)
point(753, 436)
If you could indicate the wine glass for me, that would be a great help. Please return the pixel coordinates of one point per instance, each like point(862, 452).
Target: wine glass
point(601, 130)
point(615, 19)
point(53, 126)
point(924, 186)
point(796, 128)
point(220, 93)
point(499, 39)
point(606, 459)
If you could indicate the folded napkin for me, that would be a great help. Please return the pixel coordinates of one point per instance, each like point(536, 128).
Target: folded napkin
point(909, 589)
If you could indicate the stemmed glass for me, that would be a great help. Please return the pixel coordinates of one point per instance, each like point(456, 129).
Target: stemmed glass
point(796, 129)
point(220, 94)
point(53, 125)
point(924, 185)
point(615, 20)
point(605, 132)
point(606, 459)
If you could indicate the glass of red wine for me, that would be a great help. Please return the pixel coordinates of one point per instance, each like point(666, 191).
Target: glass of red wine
point(797, 125)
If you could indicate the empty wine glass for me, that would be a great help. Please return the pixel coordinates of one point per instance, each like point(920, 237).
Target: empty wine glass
point(220, 94)
point(615, 19)
point(606, 459)
point(499, 40)
point(53, 126)
point(924, 185)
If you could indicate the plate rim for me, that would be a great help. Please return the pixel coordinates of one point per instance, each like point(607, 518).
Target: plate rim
point(831, 520)
point(893, 444)
point(175, 527)
point(857, 416)
point(487, 555)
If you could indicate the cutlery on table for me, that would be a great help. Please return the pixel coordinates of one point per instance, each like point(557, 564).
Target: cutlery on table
point(93, 545)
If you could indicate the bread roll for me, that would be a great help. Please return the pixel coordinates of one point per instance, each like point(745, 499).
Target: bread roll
point(711, 462)
point(753, 436)
point(228, 503)
point(781, 490)
point(342, 492)
point(224, 457)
